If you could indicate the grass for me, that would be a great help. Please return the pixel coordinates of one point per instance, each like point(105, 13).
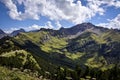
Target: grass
point(74, 56)
point(20, 55)
point(15, 74)
point(106, 67)
point(35, 37)
point(54, 44)
point(98, 38)
point(46, 42)
point(114, 36)
point(96, 61)
point(92, 63)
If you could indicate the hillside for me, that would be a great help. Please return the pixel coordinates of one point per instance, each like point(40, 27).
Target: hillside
point(85, 40)
point(16, 74)
point(52, 52)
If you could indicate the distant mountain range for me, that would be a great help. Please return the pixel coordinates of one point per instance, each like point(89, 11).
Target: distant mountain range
point(14, 33)
point(2, 34)
point(82, 45)
point(75, 30)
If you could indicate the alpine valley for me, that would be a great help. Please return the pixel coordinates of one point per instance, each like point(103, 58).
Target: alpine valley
point(82, 52)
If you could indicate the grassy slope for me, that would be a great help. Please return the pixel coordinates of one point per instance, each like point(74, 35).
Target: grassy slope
point(42, 43)
point(20, 55)
point(53, 44)
point(93, 59)
point(17, 60)
point(15, 74)
point(39, 38)
point(34, 43)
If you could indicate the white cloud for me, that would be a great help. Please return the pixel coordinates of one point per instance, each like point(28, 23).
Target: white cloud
point(48, 25)
point(12, 9)
point(33, 27)
point(94, 5)
point(117, 4)
point(107, 2)
point(54, 9)
point(29, 28)
point(58, 25)
point(114, 23)
point(58, 9)
point(10, 30)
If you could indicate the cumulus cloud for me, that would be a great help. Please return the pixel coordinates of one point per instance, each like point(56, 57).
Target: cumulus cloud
point(12, 9)
point(33, 27)
point(58, 25)
point(115, 3)
point(48, 25)
point(114, 23)
point(10, 30)
point(54, 9)
point(58, 10)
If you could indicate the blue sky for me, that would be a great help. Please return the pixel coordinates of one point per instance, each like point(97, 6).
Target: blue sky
point(36, 14)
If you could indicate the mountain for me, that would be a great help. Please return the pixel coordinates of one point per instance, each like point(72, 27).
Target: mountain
point(77, 28)
point(2, 34)
point(16, 32)
point(84, 51)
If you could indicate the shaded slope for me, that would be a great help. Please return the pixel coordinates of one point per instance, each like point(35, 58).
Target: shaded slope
point(83, 44)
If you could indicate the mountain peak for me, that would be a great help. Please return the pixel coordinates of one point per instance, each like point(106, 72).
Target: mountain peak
point(21, 30)
point(2, 32)
point(61, 28)
point(77, 28)
point(16, 32)
point(44, 29)
point(85, 25)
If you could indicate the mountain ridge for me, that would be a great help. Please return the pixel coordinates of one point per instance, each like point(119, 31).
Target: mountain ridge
point(82, 27)
point(16, 32)
point(2, 34)
point(84, 47)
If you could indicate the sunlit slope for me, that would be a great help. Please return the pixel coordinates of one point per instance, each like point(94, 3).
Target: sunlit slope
point(88, 48)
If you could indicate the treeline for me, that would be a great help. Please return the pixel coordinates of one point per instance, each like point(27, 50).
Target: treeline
point(65, 73)
point(83, 74)
point(20, 60)
point(7, 45)
point(59, 73)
